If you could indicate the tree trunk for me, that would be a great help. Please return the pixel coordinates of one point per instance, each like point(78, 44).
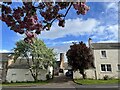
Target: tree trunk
point(84, 76)
point(33, 75)
point(35, 78)
point(83, 73)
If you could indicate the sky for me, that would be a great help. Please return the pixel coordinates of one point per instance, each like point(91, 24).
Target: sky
point(100, 24)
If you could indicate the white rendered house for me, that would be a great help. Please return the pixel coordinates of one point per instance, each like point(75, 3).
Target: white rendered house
point(19, 70)
point(106, 61)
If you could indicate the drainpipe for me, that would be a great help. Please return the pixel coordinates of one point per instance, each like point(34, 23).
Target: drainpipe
point(95, 73)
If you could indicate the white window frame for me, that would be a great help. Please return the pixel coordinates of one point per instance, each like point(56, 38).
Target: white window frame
point(118, 65)
point(106, 68)
point(102, 55)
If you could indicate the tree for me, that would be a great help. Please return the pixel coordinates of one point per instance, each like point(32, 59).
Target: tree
point(24, 19)
point(38, 56)
point(80, 57)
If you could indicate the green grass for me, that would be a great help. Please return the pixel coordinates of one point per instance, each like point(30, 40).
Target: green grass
point(25, 83)
point(86, 81)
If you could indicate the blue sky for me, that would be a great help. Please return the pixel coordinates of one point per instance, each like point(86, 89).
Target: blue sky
point(100, 24)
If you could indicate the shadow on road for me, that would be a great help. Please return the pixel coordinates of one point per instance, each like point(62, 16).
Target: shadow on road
point(60, 79)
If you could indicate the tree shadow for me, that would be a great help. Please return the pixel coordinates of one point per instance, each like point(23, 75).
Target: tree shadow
point(61, 79)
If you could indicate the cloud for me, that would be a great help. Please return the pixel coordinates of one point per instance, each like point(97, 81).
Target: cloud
point(112, 12)
point(106, 33)
point(74, 27)
point(113, 5)
point(61, 49)
point(102, 0)
point(108, 41)
point(5, 51)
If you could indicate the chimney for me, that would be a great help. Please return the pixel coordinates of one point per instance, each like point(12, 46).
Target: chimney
point(10, 60)
point(89, 42)
point(61, 60)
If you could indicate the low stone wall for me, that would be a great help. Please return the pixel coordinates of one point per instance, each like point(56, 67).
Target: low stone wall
point(89, 74)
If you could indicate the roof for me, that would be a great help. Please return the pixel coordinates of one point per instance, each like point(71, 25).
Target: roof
point(105, 45)
point(19, 64)
point(4, 56)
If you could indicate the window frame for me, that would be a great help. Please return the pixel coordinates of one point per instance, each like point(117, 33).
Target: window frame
point(118, 67)
point(101, 55)
point(107, 69)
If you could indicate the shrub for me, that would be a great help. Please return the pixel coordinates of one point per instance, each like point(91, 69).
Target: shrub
point(106, 77)
point(11, 82)
point(48, 77)
point(17, 81)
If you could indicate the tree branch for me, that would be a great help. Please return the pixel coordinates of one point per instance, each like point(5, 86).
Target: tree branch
point(68, 9)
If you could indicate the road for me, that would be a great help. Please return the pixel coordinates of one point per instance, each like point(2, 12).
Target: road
point(63, 83)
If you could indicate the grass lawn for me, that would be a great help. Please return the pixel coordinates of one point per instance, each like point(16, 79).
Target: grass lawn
point(81, 81)
point(25, 83)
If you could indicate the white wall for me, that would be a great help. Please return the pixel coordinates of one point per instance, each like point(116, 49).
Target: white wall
point(19, 75)
point(65, 72)
point(50, 69)
point(112, 58)
point(25, 75)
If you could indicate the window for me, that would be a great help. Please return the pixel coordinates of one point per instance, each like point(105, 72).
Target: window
point(13, 74)
point(118, 67)
point(26, 74)
point(103, 68)
point(103, 53)
point(106, 67)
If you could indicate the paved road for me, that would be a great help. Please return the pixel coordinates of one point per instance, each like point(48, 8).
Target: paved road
point(64, 83)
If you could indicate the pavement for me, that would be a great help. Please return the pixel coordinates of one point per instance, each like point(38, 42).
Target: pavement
point(64, 83)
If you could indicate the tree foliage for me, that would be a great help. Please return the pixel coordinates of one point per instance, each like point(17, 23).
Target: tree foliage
point(38, 56)
point(33, 17)
point(80, 57)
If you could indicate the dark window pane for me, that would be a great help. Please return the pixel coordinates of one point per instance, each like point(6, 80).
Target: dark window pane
point(103, 53)
point(103, 67)
point(119, 67)
point(109, 67)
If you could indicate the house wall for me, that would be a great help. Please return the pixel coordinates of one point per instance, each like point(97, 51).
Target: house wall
point(24, 75)
point(112, 58)
point(90, 73)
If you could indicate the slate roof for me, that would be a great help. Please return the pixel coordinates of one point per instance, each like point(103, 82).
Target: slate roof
point(4, 56)
point(19, 64)
point(105, 45)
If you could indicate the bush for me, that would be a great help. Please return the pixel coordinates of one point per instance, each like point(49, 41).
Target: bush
point(106, 77)
point(48, 77)
point(11, 82)
point(17, 81)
